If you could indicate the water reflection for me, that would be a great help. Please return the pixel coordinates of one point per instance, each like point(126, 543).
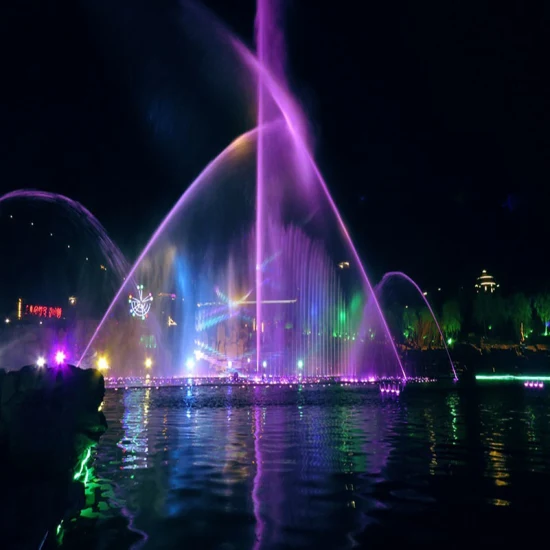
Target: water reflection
point(264, 468)
point(135, 420)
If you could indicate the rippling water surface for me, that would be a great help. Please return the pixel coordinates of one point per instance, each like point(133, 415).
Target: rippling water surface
point(332, 467)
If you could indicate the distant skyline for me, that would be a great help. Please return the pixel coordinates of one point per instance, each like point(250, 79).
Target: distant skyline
point(430, 123)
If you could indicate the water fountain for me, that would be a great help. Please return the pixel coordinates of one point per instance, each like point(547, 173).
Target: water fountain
point(27, 342)
point(253, 271)
point(81, 216)
point(403, 276)
point(255, 286)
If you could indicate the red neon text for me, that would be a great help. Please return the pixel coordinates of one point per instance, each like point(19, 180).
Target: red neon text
point(44, 311)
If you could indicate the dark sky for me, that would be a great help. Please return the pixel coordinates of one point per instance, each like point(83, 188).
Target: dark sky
point(429, 120)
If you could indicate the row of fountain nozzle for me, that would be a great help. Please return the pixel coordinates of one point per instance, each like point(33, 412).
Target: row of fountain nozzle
point(533, 384)
point(394, 388)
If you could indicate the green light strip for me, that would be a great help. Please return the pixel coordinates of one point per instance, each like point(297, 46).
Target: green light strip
point(78, 475)
point(533, 378)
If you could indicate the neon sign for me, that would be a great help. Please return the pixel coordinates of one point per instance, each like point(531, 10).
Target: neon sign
point(140, 305)
point(44, 311)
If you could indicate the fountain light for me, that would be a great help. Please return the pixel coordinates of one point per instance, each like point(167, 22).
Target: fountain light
point(300, 364)
point(41, 362)
point(102, 363)
point(148, 363)
point(264, 364)
point(190, 363)
point(60, 357)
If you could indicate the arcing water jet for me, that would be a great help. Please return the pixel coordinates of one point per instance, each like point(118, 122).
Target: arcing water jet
point(408, 279)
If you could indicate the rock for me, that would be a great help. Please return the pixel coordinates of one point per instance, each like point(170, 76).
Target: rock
point(49, 418)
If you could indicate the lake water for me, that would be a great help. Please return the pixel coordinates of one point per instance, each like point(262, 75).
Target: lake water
point(317, 467)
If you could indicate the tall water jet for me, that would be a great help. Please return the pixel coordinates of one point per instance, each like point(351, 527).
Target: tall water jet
point(405, 277)
point(282, 99)
point(268, 48)
point(261, 46)
point(264, 270)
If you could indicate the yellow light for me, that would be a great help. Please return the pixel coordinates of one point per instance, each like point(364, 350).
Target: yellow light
point(148, 363)
point(19, 308)
point(102, 363)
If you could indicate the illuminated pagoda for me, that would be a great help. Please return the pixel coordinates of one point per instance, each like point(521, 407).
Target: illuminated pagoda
point(486, 283)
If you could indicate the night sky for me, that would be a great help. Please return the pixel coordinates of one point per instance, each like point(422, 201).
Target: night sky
point(429, 121)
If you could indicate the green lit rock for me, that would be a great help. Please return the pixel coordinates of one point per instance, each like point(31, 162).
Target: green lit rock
point(49, 421)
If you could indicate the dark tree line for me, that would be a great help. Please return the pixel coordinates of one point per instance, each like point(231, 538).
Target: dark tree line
point(513, 318)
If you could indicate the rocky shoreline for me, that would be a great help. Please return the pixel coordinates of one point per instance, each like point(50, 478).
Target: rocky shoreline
point(50, 419)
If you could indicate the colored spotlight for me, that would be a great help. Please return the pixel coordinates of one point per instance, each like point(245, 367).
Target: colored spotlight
point(190, 363)
point(148, 363)
point(264, 364)
point(40, 362)
point(300, 364)
point(60, 357)
point(102, 363)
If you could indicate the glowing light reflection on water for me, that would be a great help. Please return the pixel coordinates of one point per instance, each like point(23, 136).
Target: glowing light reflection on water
point(272, 467)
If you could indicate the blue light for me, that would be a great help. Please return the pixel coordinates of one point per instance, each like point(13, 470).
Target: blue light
point(190, 363)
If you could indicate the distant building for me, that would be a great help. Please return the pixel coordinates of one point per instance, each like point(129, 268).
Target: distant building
point(486, 283)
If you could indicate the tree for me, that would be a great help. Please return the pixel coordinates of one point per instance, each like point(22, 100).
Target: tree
point(542, 307)
point(420, 327)
point(489, 311)
point(451, 318)
point(521, 313)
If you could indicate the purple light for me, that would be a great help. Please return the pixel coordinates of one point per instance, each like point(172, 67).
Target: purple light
point(287, 108)
point(60, 357)
point(235, 145)
point(423, 296)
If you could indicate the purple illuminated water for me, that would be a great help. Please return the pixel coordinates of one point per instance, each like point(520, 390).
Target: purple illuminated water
point(276, 285)
point(110, 251)
point(405, 277)
point(232, 149)
point(27, 344)
point(287, 107)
